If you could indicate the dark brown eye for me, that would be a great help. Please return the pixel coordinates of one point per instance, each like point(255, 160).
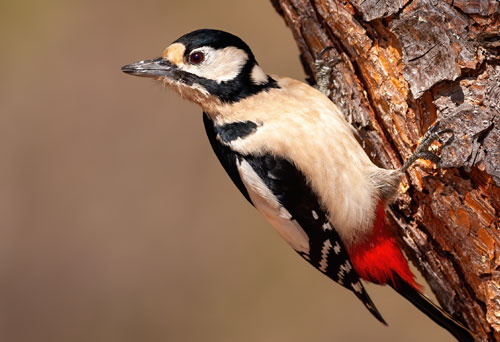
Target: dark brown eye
point(196, 57)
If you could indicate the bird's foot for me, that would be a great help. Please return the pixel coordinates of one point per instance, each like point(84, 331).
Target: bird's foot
point(323, 69)
point(422, 152)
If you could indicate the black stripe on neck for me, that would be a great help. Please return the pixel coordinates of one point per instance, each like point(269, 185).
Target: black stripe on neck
point(232, 131)
point(237, 89)
point(227, 91)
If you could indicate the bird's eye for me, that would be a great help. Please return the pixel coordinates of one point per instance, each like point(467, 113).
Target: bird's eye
point(196, 57)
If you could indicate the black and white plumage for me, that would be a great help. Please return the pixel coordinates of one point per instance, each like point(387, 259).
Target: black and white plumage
point(281, 194)
point(291, 153)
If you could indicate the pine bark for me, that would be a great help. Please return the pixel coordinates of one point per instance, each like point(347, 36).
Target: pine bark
point(398, 66)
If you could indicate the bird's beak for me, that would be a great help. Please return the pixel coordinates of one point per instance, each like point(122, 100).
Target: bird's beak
point(158, 67)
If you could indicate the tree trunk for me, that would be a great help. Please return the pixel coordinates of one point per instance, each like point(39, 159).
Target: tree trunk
point(398, 66)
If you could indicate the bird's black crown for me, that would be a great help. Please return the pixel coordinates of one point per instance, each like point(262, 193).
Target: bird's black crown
point(215, 39)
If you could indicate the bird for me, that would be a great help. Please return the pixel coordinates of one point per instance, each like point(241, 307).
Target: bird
point(291, 153)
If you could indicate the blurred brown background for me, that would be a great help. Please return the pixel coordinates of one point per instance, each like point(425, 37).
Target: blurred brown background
point(116, 221)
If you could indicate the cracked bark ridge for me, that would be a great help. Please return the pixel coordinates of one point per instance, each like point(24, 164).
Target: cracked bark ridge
point(397, 67)
point(375, 9)
point(471, 108)
point(481, 7)
point(426, 47)
point(431, 51)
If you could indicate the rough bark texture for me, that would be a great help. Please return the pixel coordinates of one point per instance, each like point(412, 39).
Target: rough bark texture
point(398, 66)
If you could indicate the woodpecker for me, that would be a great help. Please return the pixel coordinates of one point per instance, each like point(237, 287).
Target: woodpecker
point(294, 157)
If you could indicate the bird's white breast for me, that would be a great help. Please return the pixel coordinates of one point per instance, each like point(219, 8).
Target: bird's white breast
point(300, 124)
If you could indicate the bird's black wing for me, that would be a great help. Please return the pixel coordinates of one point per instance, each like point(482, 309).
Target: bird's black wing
point(291, 189)
point(225, 155)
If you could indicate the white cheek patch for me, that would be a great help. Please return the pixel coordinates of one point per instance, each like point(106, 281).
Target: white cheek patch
point(267, 204)
point(218, 65)
point(258, 76)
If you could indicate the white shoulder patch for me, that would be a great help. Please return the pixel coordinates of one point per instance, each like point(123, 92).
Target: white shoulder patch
point(258, 76)
point(267, 204)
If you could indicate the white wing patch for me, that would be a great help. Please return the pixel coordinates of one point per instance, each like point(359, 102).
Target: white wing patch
point(327, 226)
point(357, 287)
point(337, 248)
point(343, 270)
point(267, 204)
point(323, 264)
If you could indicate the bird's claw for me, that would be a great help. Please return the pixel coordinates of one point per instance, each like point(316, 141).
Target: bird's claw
point(322, 52)
point(422, 152)
point(323, 71)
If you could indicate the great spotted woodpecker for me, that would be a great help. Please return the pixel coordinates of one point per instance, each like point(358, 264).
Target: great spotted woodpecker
point(291, 153)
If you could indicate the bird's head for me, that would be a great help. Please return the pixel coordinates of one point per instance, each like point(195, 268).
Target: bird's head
point(207, 67)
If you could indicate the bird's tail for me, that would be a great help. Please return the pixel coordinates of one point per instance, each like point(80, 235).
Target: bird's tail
point(438, 315)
